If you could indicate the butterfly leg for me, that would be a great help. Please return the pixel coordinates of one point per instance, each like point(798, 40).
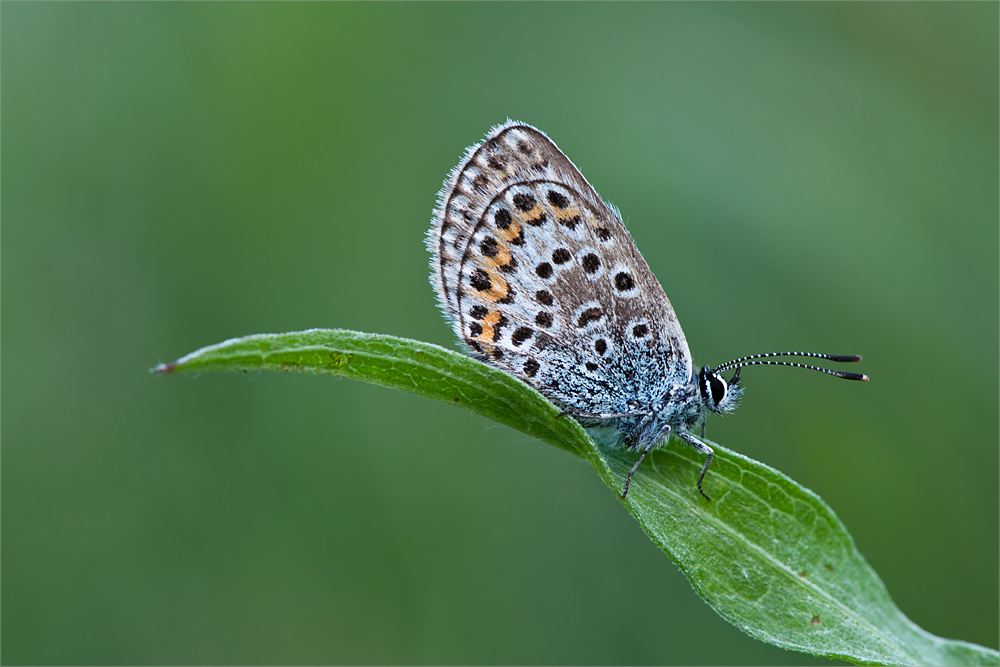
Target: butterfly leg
point(652, 443)
point(702, 448)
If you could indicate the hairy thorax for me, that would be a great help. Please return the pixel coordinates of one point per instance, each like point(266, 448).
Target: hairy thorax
point(679, 409)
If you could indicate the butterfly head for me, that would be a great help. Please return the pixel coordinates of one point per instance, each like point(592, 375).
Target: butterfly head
point(718, 394)
point(721, 396)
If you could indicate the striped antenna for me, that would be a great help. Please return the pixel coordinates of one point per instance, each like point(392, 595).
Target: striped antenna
point(840, 358)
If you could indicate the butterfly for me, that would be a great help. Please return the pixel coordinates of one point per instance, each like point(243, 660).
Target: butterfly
point(540, 278)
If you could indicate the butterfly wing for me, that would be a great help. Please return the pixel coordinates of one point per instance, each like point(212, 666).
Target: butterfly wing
point(540, 277)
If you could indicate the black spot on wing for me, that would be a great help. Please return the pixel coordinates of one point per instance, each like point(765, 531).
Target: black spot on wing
point(591, 263)
point(571, 222)
point(497, 328)
point(502, 219)
point(544, 297)
point(624, 281)
point(489, 247)
point(480, 280)
point(524, 202)
point(557, 199)
point(497, 161)
point(588, 316)
point(520, 335)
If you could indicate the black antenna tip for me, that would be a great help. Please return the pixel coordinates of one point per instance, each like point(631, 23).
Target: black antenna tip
point(844, 358)
point(860, 377)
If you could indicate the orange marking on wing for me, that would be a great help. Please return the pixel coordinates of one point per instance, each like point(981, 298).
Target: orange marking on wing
point(488, 323)
point(535, 211)
point(499, 289)
point(510, 233)
point(522, 217)
point(500, 286)
point(502, 259)
point(569, 213)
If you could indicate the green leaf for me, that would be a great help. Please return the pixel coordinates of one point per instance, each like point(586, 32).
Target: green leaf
point(767, 554)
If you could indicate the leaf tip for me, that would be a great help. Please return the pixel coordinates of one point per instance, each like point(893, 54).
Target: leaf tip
point(163, 369)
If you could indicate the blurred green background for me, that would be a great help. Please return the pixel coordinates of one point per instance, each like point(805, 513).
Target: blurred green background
point(799, 176)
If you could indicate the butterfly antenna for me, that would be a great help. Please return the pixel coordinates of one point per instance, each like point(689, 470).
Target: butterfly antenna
point(753, 360)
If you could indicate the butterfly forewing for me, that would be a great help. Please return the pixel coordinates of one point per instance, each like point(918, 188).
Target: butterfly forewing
point(540, 277)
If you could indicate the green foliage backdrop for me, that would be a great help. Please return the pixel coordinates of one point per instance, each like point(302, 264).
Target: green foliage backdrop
point(819, 176)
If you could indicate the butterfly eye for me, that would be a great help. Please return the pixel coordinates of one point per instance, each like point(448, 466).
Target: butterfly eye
point(718, 387)
point(713, 388)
